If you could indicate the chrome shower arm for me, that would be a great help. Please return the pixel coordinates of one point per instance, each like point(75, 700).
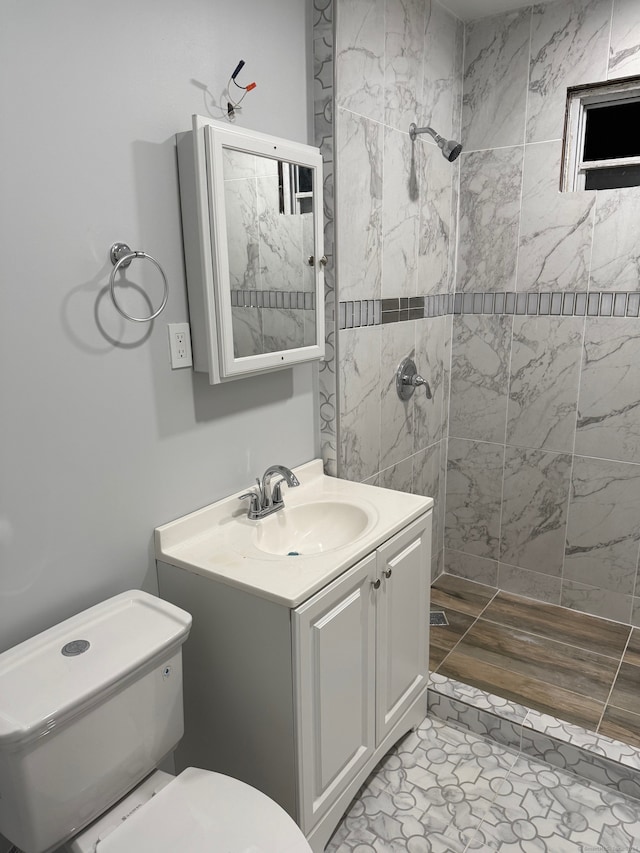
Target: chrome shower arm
point(449, 147)
point(414, 130)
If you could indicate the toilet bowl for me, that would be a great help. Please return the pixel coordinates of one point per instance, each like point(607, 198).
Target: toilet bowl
point(88, 709)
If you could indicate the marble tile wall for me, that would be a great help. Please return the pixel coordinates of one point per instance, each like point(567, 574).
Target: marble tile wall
point(543, 471)
point(396, 62)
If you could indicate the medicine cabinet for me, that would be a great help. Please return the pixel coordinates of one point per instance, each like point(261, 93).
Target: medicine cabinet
point(252, 229)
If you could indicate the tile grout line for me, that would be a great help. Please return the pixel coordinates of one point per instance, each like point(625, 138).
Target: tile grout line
point(521, 701)
point(481, 614)
point(457, 642)
point(615, 678)
point(509, 375)
point(607, 70)
point(517, 754)
point(544, 636)
point(492, 802)
point(464, 634)
point(554, 640)
point(526, 598)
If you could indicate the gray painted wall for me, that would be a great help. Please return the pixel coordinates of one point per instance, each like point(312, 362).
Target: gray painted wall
point(99, 440)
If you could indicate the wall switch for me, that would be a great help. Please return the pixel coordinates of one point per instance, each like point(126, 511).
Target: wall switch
point(180, 345)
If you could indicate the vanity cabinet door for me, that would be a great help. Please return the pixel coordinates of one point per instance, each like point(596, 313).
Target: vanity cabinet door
point(402, 644)
point(334, 666)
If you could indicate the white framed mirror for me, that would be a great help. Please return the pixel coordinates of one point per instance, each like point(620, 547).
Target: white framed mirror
point(252, 229)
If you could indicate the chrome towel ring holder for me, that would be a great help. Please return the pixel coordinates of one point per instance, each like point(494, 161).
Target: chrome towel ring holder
point(121, 256)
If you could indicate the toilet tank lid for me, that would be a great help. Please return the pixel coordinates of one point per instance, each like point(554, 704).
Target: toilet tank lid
point(72, 665)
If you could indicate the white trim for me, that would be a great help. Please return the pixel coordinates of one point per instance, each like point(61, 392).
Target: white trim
point(590, 165)
point(211, 289)
point(579, 100)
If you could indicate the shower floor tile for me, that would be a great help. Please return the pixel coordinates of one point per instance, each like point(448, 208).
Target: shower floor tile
point(533, 671)
point(632, 654)
point(559, 623)
point(626, 693)
point(445, 637)
point(460, 595)
point(621, 725)
point(572, 666)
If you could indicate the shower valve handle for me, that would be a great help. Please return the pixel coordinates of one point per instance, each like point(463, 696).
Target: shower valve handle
point(408, 379)
point(418, 381)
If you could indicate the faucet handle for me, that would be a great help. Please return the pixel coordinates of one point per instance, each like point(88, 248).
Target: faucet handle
point(276, 495)
point(254, 506)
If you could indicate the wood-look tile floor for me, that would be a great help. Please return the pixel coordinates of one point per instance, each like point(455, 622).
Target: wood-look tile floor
point(573, 666)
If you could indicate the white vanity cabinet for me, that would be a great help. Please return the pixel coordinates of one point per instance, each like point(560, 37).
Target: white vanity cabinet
point(361, 665)
point(303, 702)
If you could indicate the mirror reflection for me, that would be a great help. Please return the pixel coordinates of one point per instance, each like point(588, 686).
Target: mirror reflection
point(270, 243)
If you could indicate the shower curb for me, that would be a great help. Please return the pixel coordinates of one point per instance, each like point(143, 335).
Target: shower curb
point(598, 758)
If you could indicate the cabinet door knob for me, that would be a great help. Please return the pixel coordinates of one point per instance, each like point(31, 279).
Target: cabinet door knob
point(376, 583)
point(387, 573)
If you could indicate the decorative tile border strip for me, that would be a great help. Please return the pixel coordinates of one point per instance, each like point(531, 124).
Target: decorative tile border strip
point(373, 312)
point(323, 91)
point(569, 747)
point(291, 299)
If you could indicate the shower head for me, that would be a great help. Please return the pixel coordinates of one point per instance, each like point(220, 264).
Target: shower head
point(449, 147)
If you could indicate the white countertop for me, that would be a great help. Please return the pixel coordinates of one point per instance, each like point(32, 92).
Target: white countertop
point(217, 541)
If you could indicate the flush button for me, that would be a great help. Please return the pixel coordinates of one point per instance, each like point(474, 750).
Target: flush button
point(75, 647)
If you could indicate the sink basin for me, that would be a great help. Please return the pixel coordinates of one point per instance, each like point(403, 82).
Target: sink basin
point(311, 528)
point(329, 523)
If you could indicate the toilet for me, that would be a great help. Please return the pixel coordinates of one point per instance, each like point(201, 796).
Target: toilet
point(88, 710)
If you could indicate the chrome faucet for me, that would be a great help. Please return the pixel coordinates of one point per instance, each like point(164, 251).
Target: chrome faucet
point(266, 500)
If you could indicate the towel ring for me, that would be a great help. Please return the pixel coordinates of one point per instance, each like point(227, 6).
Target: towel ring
point(121, 256)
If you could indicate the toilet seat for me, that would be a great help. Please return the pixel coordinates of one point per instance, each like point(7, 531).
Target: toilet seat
point(201, 811)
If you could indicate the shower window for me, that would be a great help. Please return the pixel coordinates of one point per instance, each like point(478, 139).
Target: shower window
point(601, 143)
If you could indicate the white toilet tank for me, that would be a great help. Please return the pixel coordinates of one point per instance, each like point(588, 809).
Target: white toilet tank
point(87, 709)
